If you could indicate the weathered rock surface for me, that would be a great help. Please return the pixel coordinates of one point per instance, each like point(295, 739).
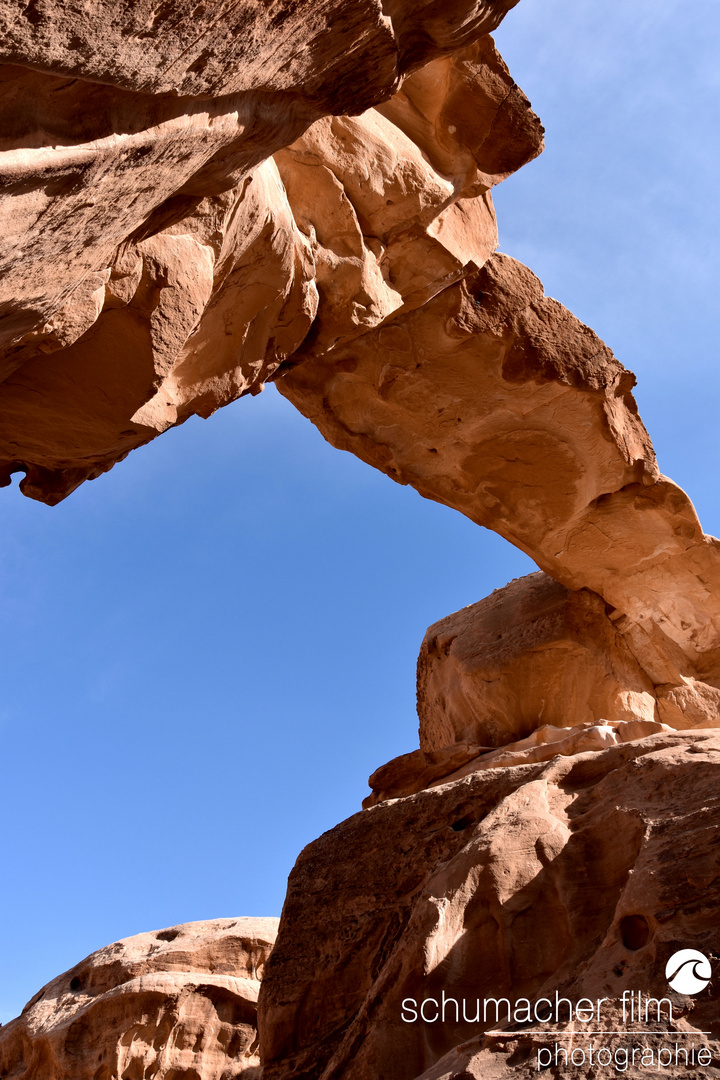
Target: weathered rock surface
point(333, 54)
point(232, 280)
point(531, 653)
point(197, 199)
point(532, 671)
point(410, 773)
point(396, 202)
point(495, 400)
point(177, 1004)
point(582, 875)
point(152, 266)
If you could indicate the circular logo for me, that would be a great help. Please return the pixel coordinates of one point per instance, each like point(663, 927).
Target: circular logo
point(688, 971)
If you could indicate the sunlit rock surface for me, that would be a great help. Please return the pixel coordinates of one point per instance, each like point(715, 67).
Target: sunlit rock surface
point(156, 262)
point(531, 652)
point(533, 671)
point(410, 773)
point(581, 875)
point(198, 199)
point(176, 1003)
point(497, 401)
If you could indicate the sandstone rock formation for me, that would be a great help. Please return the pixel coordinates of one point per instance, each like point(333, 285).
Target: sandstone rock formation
point(533, 652)
point(152, 266)
point(341, 57)
point(422, 769)
point(532, 671)
point(197, 199)
point(495, 400)
point(160, 262)
point(582, 875)
point(177, 1003)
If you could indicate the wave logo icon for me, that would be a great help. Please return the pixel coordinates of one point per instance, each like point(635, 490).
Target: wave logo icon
point(688, 971)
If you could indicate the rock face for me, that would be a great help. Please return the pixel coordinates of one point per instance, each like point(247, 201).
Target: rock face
point(410, 773)
point(197, 199)
point(155, 262)
point(532, 671)
point(535, 652)
point(495, 400)
point(338, 56)
point(583, 875)
point(177, 1003)
point(532, 653)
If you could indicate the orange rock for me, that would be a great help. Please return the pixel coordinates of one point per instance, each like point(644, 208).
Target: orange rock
point(532, 653)
point(495, 400)
point(532, 671)
point(582, 875)
point(396, 201)
point(175, 1003)
point(168, 267)
point(422, 769)
point(88, 168)
point(337, 55)
point(198, 199)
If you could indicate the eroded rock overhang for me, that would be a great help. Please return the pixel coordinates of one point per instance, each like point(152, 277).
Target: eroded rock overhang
point(189, 215)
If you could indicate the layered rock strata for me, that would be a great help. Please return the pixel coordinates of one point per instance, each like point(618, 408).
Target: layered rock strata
point(176, 1003)
point(421, 769)
point(581, 876)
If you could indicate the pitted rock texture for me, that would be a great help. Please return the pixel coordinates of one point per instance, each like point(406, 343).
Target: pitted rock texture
point(336, 55)
point(176, 1004)
point(582, 875)
point(198, 199)
point(154, 264)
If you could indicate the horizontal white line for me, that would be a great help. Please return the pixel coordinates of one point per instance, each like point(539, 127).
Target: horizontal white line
point(626, 1032)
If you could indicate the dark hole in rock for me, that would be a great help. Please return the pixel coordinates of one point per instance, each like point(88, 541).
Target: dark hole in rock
point(634, 931)
point(462, 823)
point(75, 982)
point(167, 935)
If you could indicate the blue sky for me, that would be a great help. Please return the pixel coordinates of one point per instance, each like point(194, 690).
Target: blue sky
point(209, 649)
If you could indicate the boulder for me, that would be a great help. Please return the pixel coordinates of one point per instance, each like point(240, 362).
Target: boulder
point(532, 653)
point(174, 1003)
point(532, 671)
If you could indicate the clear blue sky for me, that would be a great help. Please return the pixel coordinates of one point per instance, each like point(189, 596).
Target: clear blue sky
point(209, 649)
